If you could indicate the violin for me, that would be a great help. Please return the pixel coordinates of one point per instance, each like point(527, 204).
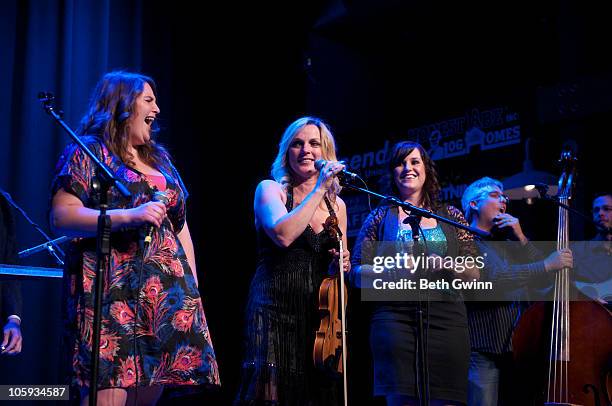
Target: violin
point(329, 351)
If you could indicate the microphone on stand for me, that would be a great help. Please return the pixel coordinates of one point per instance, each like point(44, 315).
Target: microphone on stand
point(161, 197)
point(343, 175)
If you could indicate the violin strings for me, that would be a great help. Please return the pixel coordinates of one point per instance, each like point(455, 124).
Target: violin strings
point(566, 334)
point(560, 323)
point(555, 322)
point(552, 366)
point(562, 312)
point(567, 306)
point(554, 337)
point(343, 313)
point(561, 318)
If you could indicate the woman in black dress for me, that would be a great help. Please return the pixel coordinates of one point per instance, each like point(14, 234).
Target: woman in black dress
point(393, 323)
point(295, 253)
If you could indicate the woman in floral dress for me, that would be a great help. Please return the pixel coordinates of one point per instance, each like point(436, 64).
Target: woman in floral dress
point(154, 332)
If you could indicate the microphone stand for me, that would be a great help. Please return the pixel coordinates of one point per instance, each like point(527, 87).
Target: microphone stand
point(543, 191)
point(101, 184)
point(414, 221)
point(414, 218)
point(51, 245)
point(420, 211)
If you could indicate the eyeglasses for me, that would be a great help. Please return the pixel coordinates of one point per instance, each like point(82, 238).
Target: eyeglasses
point(500, 196)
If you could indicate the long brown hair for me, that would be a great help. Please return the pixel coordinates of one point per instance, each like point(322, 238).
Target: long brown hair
point(430, 198)
point(111, 106)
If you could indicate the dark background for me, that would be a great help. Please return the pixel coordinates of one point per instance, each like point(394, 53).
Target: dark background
point(232, 76)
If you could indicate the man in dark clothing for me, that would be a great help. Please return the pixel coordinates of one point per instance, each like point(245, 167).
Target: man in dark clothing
point(594, 257)
point(10, 291)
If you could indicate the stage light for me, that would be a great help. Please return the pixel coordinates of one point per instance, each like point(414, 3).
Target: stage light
point(522, 185)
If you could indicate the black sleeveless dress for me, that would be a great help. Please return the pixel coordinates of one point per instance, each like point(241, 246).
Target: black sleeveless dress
point(281, 321)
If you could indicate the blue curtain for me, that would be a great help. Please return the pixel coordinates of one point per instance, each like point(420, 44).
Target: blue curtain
point(62, 47)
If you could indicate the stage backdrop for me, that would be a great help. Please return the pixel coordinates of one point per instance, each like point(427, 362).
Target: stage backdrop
point(470, 82)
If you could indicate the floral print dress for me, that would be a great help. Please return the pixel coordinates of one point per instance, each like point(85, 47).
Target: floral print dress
point(154, 331)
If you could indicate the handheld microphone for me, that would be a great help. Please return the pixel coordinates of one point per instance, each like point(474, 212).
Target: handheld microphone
point(342, 175)
point(161, 197)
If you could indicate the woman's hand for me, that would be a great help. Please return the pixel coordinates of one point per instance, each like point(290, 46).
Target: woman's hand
point(559, 259)
point(346, 261)
point(327, 174)
point(71, 218)
point(503, 220)
point(148, 213)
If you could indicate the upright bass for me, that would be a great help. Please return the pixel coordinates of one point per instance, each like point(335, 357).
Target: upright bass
point(563, 348)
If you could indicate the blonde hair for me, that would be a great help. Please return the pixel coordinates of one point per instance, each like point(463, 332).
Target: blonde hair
point(281, 171)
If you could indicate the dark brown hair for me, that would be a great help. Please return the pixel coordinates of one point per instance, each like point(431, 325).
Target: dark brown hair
point(111, 106)
point(431, 188)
